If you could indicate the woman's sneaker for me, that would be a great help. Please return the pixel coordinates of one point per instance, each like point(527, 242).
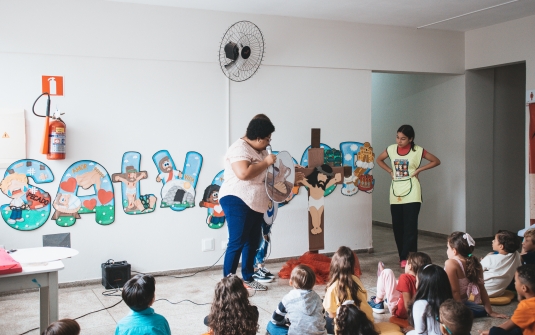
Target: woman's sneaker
point(266, 272)
point(377, 307)
point(260, 276)
point(254, 285)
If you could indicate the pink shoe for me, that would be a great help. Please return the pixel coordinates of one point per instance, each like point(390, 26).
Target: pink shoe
point(380, 268)
point(403, 263)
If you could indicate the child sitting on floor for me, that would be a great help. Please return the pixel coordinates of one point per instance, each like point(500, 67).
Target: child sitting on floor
point(455, 318)
point(398, 293)
point(528, 247)
point(350, 320)
point(466, 275)
point(522, 321)
point(342, 286)
point(138, 294)
point(231, 311)
point(499, 266)
point(301, 309)
point(433, 288)
point(62, 327)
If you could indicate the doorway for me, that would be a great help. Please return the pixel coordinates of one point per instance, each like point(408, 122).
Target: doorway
point(495, 149)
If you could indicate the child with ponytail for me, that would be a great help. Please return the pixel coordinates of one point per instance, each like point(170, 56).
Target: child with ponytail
point(466, 275)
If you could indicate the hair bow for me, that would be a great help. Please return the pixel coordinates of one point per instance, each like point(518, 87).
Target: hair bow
point(469, 239)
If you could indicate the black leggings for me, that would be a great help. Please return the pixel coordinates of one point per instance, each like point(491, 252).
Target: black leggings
point(405, 224)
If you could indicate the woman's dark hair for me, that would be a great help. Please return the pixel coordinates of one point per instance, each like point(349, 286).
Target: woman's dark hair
point(433, 287)
point(509, 240)
point(138, 292)
point(62, 327)
point(259, 128)
point(231, 312)
point(341, 272)
point(408, 131)
point(473, 268)
point(352, 321)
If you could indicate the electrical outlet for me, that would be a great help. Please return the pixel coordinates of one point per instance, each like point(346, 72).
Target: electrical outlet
point(208, 244)
point(223, 245)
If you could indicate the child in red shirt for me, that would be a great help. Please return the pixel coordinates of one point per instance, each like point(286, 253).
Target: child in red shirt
point(398, 293)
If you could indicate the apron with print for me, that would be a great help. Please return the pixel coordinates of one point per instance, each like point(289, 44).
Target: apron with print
point(405, 189)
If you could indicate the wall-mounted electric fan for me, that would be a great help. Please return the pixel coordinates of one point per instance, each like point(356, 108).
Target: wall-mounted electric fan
point(241, 51)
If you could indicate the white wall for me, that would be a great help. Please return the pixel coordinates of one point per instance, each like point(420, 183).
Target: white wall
point(144, 78)
point(505, 43)
point(434, 106)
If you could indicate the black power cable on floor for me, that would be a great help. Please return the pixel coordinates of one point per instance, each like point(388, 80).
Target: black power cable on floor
point(190, 275)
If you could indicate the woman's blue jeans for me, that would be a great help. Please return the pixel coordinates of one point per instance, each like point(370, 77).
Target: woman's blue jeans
point(244, 227)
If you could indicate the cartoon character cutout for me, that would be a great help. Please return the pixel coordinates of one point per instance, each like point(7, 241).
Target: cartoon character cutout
point(168, 173)
point(29, 207)
point(178, 191)
point(210, 200)
point(15, 186)
point(360, 157)
point(317, 182)
point(133, 202)
point(69, 205)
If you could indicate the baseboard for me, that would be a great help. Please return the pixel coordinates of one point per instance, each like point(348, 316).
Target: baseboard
point(431, 233)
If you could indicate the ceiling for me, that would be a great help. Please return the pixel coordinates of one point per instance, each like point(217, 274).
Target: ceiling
point(405, 13)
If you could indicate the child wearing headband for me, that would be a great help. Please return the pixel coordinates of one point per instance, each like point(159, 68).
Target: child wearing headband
point(466, 275)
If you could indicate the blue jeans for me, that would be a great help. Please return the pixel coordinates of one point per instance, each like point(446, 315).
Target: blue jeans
point(261, 252)
point(244, 226)
point(273, 329)
point(477, 310)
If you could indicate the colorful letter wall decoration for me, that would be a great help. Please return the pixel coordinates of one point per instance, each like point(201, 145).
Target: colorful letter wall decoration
point(210, 200)
point(69, 205)
point(178, 190)
point(360, 157)
point(30, 206)
point(130, 178)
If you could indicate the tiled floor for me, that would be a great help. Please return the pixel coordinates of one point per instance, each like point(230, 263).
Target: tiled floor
point(20, 312)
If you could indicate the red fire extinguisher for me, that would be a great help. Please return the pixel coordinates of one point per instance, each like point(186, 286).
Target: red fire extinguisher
point(54, 137)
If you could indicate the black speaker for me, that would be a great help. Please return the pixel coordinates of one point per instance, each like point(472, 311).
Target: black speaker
point(115, 274)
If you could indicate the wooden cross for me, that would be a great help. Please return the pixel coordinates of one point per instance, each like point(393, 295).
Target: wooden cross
point(320, 179)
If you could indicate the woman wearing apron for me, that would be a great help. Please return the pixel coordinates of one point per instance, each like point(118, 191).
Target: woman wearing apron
point(405, 191)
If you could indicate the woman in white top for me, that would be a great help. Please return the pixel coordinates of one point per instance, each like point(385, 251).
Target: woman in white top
point(432, 289)
point(243, 196)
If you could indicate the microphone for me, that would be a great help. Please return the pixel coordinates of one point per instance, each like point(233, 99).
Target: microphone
point(268, 149)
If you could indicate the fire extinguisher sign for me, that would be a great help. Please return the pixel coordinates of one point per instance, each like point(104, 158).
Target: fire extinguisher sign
point(53, 85)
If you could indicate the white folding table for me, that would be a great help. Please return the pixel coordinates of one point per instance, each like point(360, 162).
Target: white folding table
point(40, 268)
